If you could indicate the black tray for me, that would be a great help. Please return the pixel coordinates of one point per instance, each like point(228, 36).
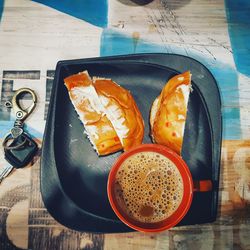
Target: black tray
point(73, 177)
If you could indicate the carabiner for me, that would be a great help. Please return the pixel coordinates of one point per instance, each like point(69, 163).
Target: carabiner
point(22, 114)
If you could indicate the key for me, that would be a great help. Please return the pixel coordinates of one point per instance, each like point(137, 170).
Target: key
point(19, 147)
point(20, 151)
point(5, 172)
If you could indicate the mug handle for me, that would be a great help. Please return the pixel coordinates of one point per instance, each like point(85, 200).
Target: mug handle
point(202, 186)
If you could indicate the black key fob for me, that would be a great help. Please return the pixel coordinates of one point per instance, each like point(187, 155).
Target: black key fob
point(21, 151)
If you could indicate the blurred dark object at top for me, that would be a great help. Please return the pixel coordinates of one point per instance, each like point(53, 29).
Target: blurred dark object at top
point(165, 4)
point(135, 2)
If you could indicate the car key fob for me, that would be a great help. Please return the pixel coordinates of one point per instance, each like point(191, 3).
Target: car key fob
point(21, 151)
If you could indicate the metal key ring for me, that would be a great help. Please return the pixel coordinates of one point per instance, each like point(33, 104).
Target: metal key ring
point(9, 137)
point(21, 113)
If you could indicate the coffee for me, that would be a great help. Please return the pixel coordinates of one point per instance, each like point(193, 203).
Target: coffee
point(148, 187)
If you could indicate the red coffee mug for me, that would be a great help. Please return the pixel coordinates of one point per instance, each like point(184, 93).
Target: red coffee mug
point(189, 186)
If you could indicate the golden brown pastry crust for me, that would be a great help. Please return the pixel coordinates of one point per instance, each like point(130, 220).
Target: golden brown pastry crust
point(105, 139)
point(123, 101)
point(109, 135)
point(78, 80)
point(168, 113)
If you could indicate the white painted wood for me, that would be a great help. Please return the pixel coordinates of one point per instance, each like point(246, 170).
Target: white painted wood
point(34, 36)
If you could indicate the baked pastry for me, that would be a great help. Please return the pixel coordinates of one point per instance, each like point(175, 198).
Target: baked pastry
point(169, 111)
point(122, 111)
point(108, 112)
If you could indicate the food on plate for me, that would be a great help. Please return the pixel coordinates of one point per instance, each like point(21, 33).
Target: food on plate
point(122, 111)
point(108, 112)
point(98, 127)
point(169, 111)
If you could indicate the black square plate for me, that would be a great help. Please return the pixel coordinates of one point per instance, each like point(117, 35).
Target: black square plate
point(73, 177)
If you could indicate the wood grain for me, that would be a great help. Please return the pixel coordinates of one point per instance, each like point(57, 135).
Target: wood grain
point(34, 37)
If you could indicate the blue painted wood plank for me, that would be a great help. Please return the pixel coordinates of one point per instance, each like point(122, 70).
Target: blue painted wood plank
point(94, 12)
point(1, 8)
point(238, 15)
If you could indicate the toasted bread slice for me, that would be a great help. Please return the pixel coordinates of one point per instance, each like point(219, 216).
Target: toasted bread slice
point(122, 111)
point(169, 111)
point(99, 129)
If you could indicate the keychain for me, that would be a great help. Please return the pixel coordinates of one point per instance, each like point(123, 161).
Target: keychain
point(19, 147)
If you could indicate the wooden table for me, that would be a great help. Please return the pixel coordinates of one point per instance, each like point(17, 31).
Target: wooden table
point(33, 37)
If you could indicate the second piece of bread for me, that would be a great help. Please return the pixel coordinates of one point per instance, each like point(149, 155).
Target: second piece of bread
point(169, 111)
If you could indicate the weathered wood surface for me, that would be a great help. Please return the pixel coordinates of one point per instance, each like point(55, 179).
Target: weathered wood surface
point(34, 37)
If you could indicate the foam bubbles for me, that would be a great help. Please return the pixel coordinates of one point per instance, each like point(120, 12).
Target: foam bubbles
point(148, 187)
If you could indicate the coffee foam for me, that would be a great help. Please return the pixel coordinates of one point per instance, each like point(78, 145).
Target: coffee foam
point(148, 187)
